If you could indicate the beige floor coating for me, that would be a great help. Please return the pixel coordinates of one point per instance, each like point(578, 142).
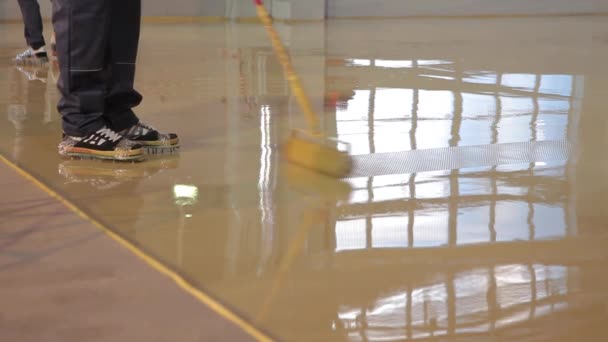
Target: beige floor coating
point(477, 206)
point(62, 279)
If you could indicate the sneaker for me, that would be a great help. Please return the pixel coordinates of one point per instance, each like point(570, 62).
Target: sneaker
point(103, 144)
point(31, 56)
point(150, 138)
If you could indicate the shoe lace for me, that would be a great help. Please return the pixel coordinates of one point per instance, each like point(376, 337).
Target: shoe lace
point(145, 126)
point(110, 134)
point(25, 54)
point(138, 130)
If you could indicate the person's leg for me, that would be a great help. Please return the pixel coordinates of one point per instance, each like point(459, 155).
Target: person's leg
point(123, 43)
point(81, 27)
point(122, 97)
point(82, 30)
point(53, 41)
point(32, 21)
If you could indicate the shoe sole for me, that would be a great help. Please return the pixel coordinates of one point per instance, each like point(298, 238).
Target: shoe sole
point(157, 147)
point(134, 155)
point(160, 149)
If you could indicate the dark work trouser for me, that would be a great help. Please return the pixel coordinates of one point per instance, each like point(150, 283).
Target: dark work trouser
point(30, 11)
point(97, 44)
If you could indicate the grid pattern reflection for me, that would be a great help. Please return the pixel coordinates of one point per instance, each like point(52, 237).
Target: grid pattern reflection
point(424, 106)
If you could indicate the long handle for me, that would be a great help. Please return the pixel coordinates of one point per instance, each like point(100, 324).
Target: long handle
point(292, 77)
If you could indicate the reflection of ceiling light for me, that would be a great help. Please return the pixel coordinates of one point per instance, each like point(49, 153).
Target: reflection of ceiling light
point(185, 194)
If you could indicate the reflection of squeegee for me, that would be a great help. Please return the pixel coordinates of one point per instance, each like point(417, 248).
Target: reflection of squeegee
point(325, 193)
point(309, 149)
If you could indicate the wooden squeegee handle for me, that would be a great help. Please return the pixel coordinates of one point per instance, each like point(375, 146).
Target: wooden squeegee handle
point(291, 75)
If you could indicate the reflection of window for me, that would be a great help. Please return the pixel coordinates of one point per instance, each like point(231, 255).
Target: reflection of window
point(476, 132)
point(390, 187)
point(549, 221)
point(435, 104)
point(352, 122)
point(432, 185)
point(553, 106)
point(393, 103)
point(432, 62)
point(357, 109)
point(519, 81)
point(433, 134)
point(478, 106)
point(476, 220)
point(391, 192)
point(511, 221)
point(390, 231)
point(494, 108)
point(359, 62)
point(556, 84)
point(383, 63)
point(481, 300)
point(513, 285)
point(350, 234)
point(431, 229)
point(514, 129)
point(471, 302)
point(429, 304)
point(514, 105)
point(481, 78)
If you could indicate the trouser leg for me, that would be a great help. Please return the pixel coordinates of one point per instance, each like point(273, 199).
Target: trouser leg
point(82, 28)
point(123, 43)
point(30, 11)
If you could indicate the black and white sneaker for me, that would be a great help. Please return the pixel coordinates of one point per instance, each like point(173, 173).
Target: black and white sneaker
point(31, 56)
point(103, 144)
point(150, 138)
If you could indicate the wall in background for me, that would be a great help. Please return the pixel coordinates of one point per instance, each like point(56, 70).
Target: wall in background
point(314, 9)
point(384, 8)
point(9, 9)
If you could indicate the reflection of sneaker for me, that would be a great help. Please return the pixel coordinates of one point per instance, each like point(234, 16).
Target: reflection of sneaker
point(53, 45)
point(150, 138)
point(54, 71)
point(101, 176)
point(104, 176)
point(103, 144)
point(34, 73)
point(31, 56)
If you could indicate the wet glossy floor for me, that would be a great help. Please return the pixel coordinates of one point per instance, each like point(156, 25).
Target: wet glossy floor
point(477, 209)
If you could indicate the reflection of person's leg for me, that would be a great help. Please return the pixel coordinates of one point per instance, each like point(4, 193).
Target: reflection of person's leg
point(122, 97)
point(26, 110)
point(32, 20)
point(82, 28)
